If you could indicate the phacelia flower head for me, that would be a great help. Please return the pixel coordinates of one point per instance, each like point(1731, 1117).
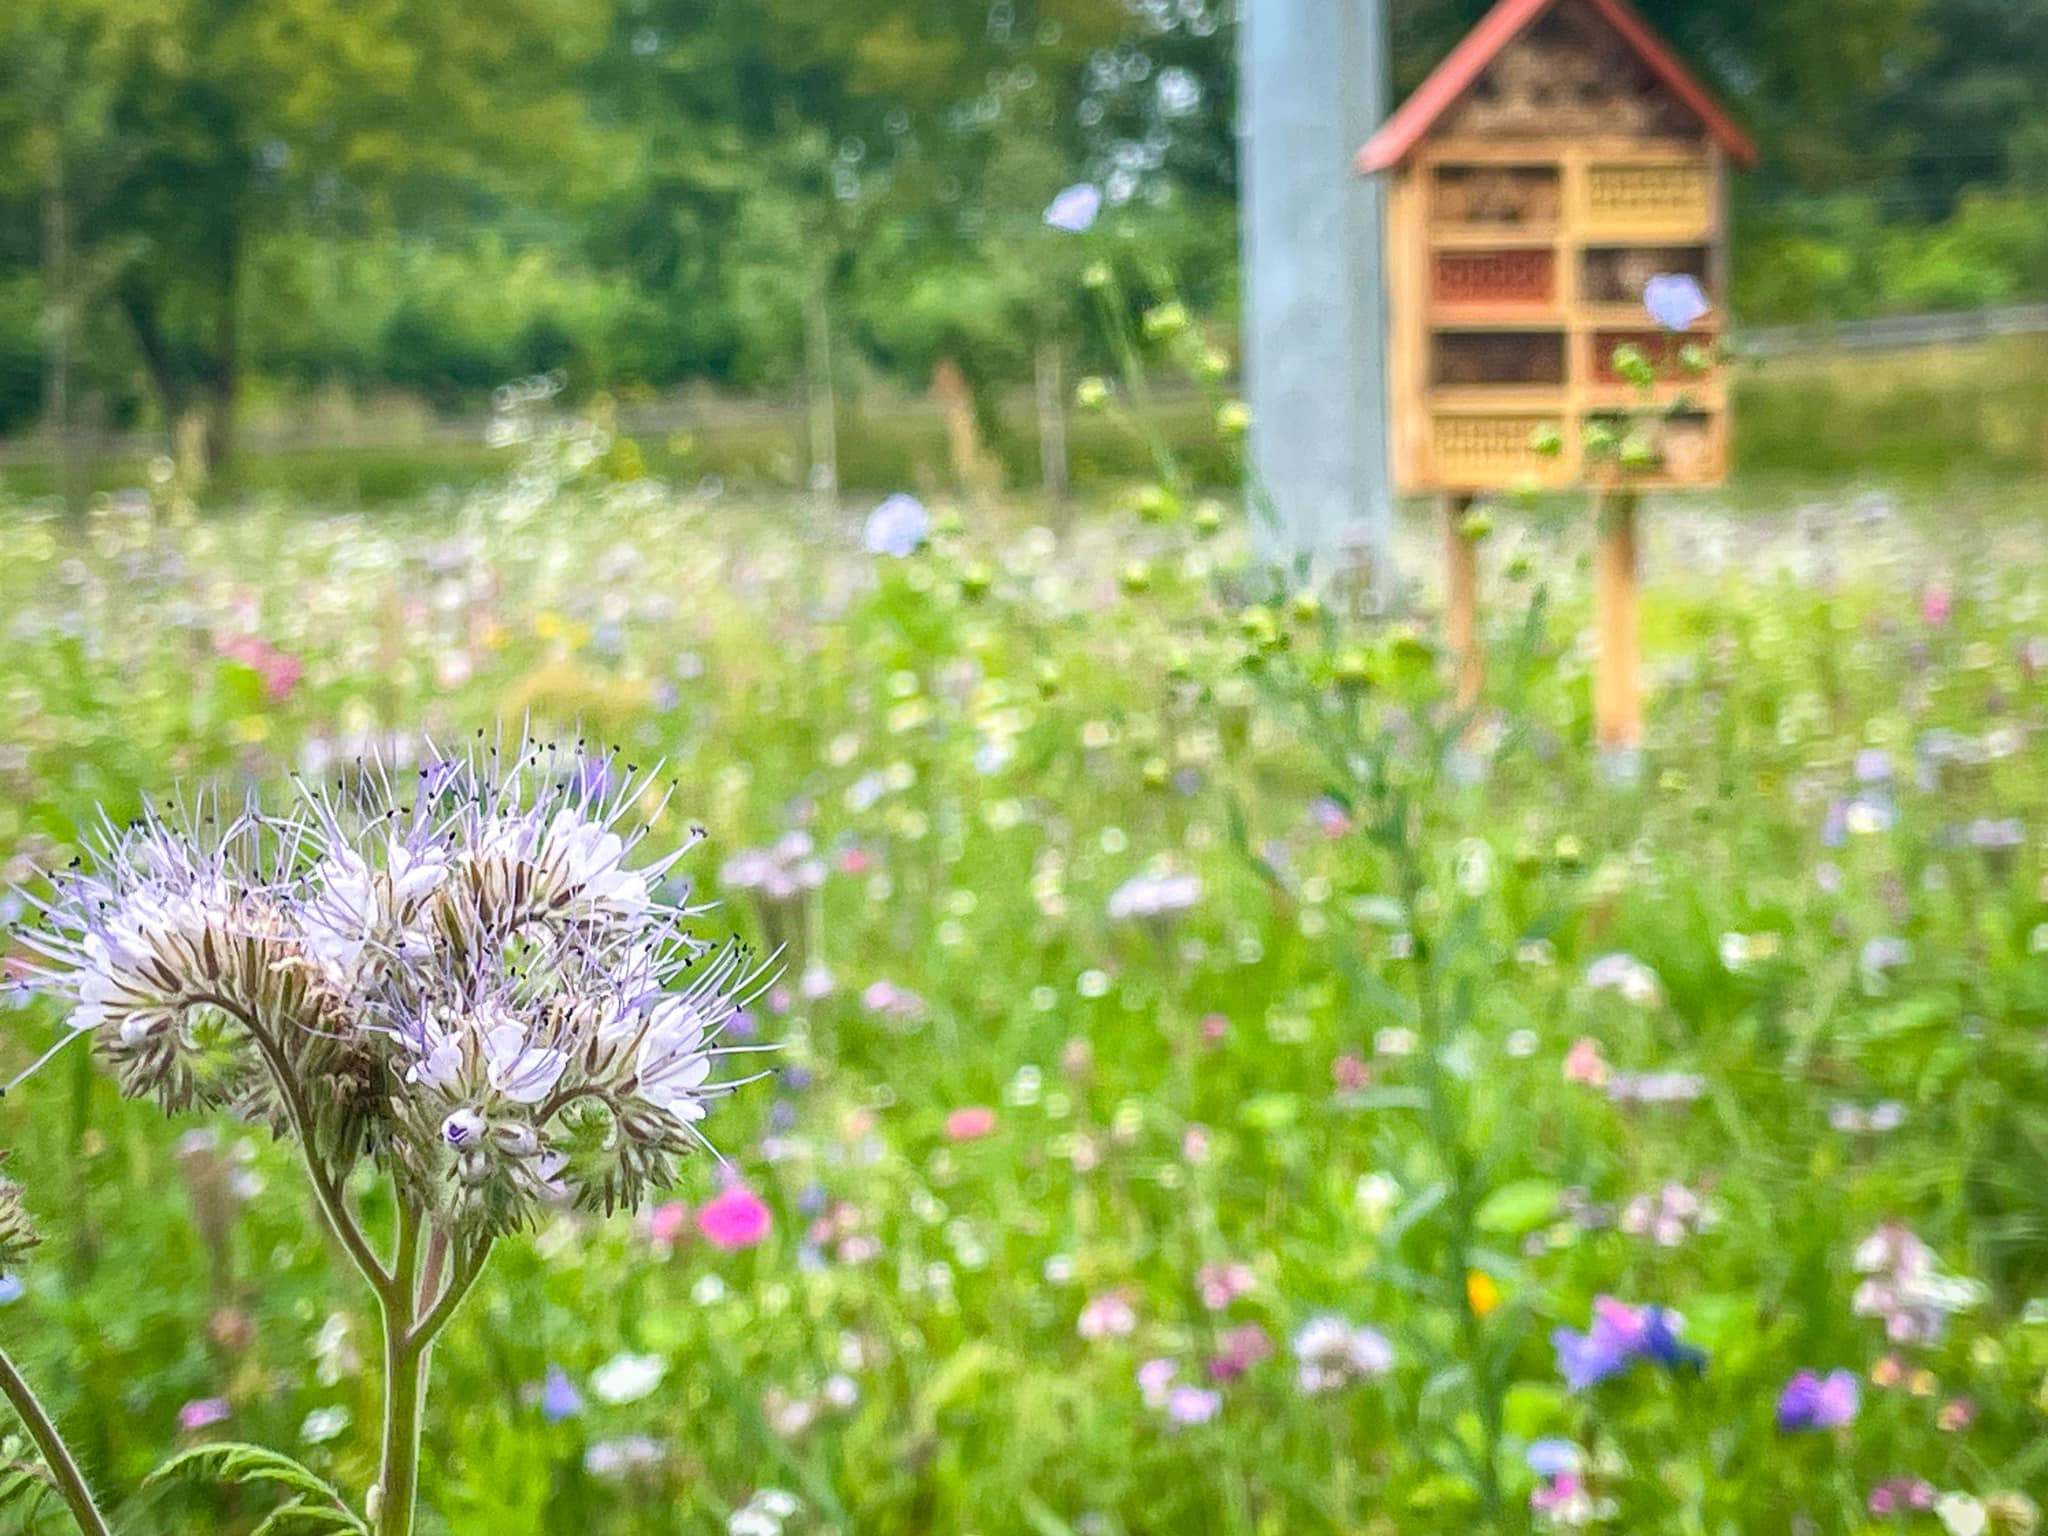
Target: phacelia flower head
point(464, 974)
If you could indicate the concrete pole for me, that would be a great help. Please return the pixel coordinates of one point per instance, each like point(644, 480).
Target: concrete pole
point(1314, 87)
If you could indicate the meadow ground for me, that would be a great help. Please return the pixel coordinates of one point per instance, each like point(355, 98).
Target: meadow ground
point(1157, 1145)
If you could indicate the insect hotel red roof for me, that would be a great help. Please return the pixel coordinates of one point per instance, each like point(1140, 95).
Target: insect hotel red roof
point(1502, 25)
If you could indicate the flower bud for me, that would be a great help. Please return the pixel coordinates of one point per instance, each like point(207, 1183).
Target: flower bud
point(17, 1234)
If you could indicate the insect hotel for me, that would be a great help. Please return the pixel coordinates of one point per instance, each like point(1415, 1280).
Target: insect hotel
point(1560, 163)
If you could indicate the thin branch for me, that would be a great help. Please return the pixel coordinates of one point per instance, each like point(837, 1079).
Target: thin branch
point(462, 1275)
point(333, 1199)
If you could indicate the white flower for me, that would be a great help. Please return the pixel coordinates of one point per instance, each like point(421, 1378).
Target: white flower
point(1154, 896)
point(1333, 1353)
point(587, 861)
point(325, 1424)
point(622, 1457)
point(1962, 1514)
point(672, 1065)
point(523, 1072)
point(1627, 977)
point(627, 1378)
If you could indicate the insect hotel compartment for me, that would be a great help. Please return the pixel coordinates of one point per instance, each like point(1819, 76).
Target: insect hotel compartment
point(1634, 195)
point(1520, 358)
point(1481, 451)
point(1511, 196)
point(1494, 277)
point(1662, 349)
point(1618, 274)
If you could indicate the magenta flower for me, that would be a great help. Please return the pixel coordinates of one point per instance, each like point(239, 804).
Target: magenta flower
point(1815, 1402)
point(734, 1218)
point(1239, 1350)
point(202, 1413)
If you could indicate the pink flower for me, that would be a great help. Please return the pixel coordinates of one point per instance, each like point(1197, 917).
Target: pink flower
point(1221, 1284)
point(1583, 1064)
point(734, 1218)
point(202, 1413)
point(665, 1223)
point(278, 670)
point(1241, 1348)
point(1935, 605)
point(970, 1124)
point(1351, 1074)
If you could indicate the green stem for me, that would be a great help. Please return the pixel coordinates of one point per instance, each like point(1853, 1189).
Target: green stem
point(1451, 1146)
point(405, 1390)
point(56, 1454)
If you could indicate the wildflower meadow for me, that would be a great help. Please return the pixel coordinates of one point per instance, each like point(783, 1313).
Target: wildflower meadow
point(972, 1018)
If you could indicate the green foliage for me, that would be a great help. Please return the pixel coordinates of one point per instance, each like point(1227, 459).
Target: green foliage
point(314, 1505)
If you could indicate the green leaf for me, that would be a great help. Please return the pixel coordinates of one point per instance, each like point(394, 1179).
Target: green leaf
point(1516, 1208)
point(1530, 1409)
point(233, 1461)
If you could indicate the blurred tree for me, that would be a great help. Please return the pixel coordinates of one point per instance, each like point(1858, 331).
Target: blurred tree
point(235, 120)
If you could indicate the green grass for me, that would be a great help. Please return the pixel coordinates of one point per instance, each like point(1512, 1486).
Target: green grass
point(1916, 420)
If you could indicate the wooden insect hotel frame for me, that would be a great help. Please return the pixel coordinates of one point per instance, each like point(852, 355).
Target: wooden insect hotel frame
point(1558, 160)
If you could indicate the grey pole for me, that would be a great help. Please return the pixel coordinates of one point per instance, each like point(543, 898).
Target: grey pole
point(1314, 88)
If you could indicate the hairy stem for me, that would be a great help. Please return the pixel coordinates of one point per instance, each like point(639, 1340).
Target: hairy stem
point(405, 1391)
point(56, 1454)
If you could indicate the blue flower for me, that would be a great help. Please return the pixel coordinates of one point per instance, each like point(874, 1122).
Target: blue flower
point(1621, 1335)
point(559, 1398)
point(1075, 209)
point(897, 527)
point(1675, 300)
point(1552, 1457)
point(1815, 1402)
point(11, 1289)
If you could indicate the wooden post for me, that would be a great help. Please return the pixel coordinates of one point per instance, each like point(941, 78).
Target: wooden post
point(1461, 600)
point(1617, 681)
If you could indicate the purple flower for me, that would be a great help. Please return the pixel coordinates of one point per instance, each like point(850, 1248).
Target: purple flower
point(202, 1413)
point(1193, 1405)
point(1815, 1402)
point(1075, 209)
point(898, 527)
point(1675, 300)
point(1621, 1335)
point(559, 1398)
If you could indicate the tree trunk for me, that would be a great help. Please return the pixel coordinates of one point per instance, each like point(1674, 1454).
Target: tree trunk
point(224, 369)
point(138, 302)
point(824, 403)
point(972, 468)
point(58, 317)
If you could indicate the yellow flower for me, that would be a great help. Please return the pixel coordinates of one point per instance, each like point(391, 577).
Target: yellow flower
point(1482, 1294)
